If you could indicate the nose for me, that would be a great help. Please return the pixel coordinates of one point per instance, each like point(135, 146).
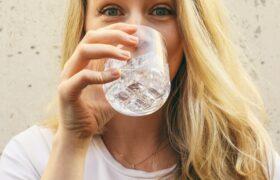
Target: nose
point(135, 17)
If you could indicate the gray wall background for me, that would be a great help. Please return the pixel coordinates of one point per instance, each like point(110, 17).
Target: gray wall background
point(30, 39)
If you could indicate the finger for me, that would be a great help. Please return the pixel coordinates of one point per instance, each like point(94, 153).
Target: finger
point(86, 52)
point(71, 89)
point(112, 37)
point(98, 51)
point(128, 28)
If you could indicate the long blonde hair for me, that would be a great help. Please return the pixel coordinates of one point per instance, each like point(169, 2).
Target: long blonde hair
point(214, 113)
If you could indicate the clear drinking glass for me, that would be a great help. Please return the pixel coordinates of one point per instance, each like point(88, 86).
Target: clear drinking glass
point(144, 85)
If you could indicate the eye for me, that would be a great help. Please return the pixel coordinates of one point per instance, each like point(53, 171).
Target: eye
point(111, 11)
point(162, 11)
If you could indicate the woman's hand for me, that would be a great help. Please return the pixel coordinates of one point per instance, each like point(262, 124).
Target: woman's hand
point(82, 116)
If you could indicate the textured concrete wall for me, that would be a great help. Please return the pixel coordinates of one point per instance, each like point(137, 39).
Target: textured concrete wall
point(258, 27)
point(30, 38)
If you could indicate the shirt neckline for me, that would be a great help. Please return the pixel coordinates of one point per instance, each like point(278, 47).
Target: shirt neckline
point(102, 149)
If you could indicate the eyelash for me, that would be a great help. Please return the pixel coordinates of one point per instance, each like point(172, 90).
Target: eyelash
point(103, 11)
point(169, 11)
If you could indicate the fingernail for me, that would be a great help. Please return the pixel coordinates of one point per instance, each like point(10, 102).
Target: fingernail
point(126, 54)
point(133, 38)
point(115, 72)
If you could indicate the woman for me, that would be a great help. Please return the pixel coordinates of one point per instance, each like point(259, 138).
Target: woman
point(209, 128)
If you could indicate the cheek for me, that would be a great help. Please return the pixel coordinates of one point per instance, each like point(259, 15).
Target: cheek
point(174, 49)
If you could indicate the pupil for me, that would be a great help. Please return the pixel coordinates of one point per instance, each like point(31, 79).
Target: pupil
point(113, 12)
point(160, 12)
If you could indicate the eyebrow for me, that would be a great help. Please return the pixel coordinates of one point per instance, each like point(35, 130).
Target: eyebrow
point(171, 1)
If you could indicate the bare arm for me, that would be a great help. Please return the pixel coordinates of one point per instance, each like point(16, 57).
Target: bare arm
point(66, 160)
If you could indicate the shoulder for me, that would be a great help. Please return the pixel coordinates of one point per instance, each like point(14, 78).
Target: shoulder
point(35, 139)
point(28, 151)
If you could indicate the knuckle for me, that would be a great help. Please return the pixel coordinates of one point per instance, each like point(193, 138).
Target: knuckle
point(90, 34)
point(111, 51)
point(82, 49)
point(122, 35)
point(85, 75)
point(115, 51)
point(116, 35)
point(107, 48)
point(99, 78)
point(110, 47)
point(62, 89)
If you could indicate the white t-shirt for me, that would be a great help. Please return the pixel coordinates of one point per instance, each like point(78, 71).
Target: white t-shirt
point(25, 158)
